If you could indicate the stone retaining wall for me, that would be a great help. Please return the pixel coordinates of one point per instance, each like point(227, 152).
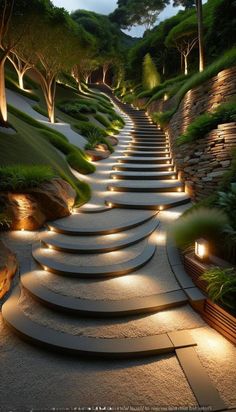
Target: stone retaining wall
point(203, 162)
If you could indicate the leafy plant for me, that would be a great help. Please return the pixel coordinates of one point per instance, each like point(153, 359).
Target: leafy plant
point(202, 222)
point(14, 178)
point(227, 201)
point(221, 285)
point(203, 124)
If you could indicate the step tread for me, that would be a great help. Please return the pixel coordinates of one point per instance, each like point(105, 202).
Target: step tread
point(65, 264)
point(83, 345)
point(111, 221)
point(100, 243)
point(142, 184)
point(155, 200)
point(130, 306)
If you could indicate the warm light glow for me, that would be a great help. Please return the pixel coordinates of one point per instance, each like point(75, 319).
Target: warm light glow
point(110, 204)
point(161, 208)
point(179, 189)
point(165, 96)
point(22, 230)
point(169, 169)
point(172, 177)
point(201, 249)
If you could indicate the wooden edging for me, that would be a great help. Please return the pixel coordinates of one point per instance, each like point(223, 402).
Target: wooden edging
point(217, 317)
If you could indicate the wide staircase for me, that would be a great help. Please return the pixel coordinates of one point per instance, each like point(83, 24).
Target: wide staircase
point(93, 274)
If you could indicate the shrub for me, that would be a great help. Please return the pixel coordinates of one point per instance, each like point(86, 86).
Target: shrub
point(79, 163)
point(202, 222)
point(225, 113)
point(15, 178)
point(94, 138)
point(87, 128)
point(61, 144)
point(221, 285)
point(101, 119)
point(76, 109)
point(151, 77)
point(129, 98)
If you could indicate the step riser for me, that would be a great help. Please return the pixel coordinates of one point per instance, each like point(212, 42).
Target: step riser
point(148, 207)
point(145, 154)
point(146, 190)
point(164, 168)
point(149, 177)
point(145, 161)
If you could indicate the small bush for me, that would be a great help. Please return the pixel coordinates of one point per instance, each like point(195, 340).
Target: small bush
point(202, 222)
point(225, 113)
point(87, 128)
point(129, 98)
point(221, 285)
point(76, 109)
point(61, 144)
point(79, 163)
point(15, 178)
point(101, 119)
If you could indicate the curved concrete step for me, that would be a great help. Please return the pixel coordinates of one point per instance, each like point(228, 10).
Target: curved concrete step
point(150, 167)
point(143, 175)
point(100, 308)
point(109, 222)
point(147, 186)
point(140, 159)
point(47, 337)
point(148, 201)
point(127, 261)
point(100, 243)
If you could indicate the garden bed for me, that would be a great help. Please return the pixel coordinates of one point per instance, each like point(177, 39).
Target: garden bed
point(215, 315)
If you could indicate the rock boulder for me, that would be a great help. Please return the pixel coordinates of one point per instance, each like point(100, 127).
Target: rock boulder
point(8, 268)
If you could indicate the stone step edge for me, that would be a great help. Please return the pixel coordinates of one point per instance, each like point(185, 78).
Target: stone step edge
point(178, 187)
point(127, 205)
point(83, 232)
point(99, 272)
point(101, 308)
point(116, 176)
point(114, 245)
point(15, 318)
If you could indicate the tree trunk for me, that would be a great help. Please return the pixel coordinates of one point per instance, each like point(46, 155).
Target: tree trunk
point(21, 80)
point(185, 65)
point(49, 90)
point(3, 101)
point(200, 35)
point(105, 69)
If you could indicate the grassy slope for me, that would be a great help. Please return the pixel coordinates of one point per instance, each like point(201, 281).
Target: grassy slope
point(28, 147)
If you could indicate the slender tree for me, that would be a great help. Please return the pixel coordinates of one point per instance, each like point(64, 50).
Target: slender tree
point(184, 38)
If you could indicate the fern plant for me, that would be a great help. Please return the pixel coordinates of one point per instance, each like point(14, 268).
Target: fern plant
point(221, 285)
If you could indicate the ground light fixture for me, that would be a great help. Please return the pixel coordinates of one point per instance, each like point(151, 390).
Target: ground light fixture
point(202, 249)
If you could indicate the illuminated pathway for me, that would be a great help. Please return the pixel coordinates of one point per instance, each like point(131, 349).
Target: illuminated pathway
point(107, 282)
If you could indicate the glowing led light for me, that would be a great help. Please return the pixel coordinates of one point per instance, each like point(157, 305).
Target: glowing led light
point(110, 204)
point(172, 177)
point(161, 208)
point(179, 189)
point(201, 249)
point(168, 162)
point(22, 230)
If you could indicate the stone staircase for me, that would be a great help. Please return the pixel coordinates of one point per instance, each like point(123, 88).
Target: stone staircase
point(76, 253)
